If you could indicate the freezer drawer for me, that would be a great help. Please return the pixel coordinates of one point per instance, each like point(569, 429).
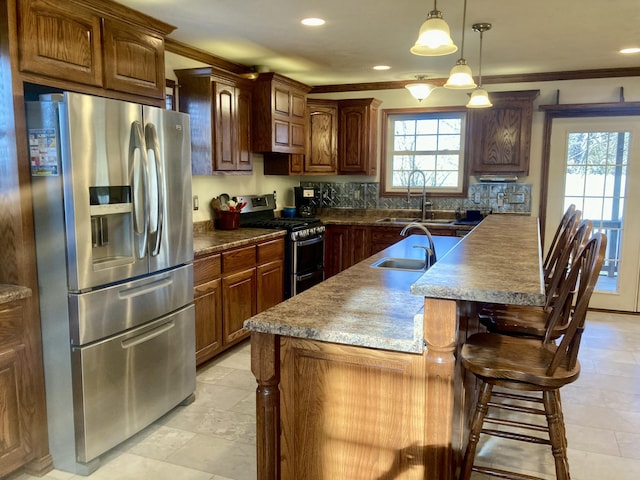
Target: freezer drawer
point(107, 311)
point(124, 383)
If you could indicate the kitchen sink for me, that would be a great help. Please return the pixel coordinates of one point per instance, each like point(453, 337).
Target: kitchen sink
point(397, 220)
point(439, 221)
point(392, 263)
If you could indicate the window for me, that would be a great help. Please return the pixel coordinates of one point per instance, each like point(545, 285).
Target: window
point(432, 142)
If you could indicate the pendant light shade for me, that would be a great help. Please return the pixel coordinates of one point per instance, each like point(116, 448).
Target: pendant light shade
point(460, 77)
point(420, 90)
point(479, 97)
point(434, 38)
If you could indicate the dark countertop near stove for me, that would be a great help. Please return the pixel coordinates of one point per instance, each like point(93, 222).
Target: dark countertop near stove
point(207, 242)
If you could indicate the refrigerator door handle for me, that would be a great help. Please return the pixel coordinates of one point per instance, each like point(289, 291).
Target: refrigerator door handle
point(156, 201)
point(138, 178)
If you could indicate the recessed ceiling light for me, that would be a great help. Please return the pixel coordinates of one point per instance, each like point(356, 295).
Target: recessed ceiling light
point(312, 22)
point(382, 67)
point(630, 50)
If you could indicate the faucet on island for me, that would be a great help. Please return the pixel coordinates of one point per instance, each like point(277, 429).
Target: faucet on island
point(424, 188)
point(430, 251)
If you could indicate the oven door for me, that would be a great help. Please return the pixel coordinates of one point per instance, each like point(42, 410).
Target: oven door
point(307, 263)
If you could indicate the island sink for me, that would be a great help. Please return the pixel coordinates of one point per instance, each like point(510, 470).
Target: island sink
point(392, 263)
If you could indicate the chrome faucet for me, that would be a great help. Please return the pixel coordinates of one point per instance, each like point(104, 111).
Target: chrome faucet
point(424, 188)
point(430, 251)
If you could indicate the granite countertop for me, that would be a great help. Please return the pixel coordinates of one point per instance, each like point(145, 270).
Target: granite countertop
point(11, 293)
point(499, 261)
point(214, 241)
point(363, 306)
point(442, 219)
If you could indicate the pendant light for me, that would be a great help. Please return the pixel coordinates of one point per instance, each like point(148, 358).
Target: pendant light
point(480, 97)
point(420, 90)
point(460, 77)
point(434, 38)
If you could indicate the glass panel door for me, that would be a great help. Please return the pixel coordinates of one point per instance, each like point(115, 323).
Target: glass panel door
point(595, 165)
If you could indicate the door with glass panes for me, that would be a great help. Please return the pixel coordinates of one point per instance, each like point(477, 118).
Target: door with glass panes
point(595, 164)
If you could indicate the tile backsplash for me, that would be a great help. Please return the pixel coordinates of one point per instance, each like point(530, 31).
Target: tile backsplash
point(496, 197)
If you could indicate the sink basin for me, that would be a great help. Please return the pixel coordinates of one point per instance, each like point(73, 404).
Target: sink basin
point(392, 263)
point(440, 221)
point(397, 220)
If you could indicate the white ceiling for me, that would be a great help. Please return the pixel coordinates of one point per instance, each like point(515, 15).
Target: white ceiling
point(527, 36)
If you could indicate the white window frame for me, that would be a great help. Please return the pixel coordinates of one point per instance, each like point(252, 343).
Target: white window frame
point(391, 116)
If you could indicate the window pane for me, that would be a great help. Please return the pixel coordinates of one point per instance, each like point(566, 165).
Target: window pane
point(430, 142)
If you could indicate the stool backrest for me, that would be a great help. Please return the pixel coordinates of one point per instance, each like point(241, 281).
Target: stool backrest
point(584, 272)
point(563, 236)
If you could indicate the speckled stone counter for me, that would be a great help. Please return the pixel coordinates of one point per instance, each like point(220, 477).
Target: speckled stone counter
point(363, 306)
point(498, 262)
point(214, 241)
point(11, 293)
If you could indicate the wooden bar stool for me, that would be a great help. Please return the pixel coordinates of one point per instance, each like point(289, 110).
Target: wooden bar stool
point(533, 321)
point(566, 227)
point(528, 365)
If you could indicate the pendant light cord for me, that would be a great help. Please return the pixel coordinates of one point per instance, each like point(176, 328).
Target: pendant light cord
point(480, 66)
point(464, 22)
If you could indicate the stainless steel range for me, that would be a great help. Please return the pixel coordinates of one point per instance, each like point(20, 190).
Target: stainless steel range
point(304, 246)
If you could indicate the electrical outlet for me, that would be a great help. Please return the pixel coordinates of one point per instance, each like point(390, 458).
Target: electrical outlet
point(500, 199)
point(476, 197)
point(196, 202)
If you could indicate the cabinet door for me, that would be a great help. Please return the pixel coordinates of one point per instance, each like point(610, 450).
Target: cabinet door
point(357, 144)
point(239, 300)
point(208, 317)
point(384, 237)
point(270, 279)
point(243, 128)
point(360, 243)
point(338, 255)
point(61, 40)
point(224, 132)
point(15, 394)
point(133, 59)
point(500, 137)
point(322, 147)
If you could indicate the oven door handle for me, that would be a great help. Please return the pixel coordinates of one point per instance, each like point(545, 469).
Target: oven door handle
point(306, 276)
point(311, 241)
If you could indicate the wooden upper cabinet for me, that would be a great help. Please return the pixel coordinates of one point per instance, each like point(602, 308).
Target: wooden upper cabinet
point(220, 109)
point(358, 136)
point(93, 42)
point(61, 40)
point(500, 137)
point(322, 147)
point(133, 59)
point(279, 115)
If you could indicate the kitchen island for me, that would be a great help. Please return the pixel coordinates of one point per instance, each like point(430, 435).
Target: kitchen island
point(357, 377)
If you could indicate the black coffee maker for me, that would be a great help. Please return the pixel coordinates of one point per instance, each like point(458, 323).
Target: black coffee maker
point(307, 201)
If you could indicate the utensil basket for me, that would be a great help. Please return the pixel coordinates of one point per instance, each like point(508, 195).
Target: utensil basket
point(228, 220)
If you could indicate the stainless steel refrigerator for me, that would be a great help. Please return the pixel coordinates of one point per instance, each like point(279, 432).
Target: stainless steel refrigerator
point(111, 184)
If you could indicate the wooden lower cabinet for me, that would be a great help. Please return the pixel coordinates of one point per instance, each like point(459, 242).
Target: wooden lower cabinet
point(21, 396)
point(229, 288)
point(239, 300)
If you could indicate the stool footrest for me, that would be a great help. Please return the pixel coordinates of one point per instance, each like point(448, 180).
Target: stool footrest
point(495, 472)
point(521, 437)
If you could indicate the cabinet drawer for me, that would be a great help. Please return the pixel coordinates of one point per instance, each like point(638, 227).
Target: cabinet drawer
point(238, 259)
point(206, 269)
point(270, 251)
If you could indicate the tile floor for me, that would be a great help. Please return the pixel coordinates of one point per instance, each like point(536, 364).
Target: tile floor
point(214, 438)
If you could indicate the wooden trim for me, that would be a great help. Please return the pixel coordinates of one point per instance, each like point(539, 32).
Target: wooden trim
point(577, 110)
point(106, 8)
point(383, 147)
point(184, 50)
point(489, 80)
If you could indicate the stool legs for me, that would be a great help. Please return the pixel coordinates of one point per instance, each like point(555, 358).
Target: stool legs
point(557, 433)
point(476, 426)
point(556, 429)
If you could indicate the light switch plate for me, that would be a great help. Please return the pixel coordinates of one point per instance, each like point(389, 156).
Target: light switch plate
point(516, 198)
